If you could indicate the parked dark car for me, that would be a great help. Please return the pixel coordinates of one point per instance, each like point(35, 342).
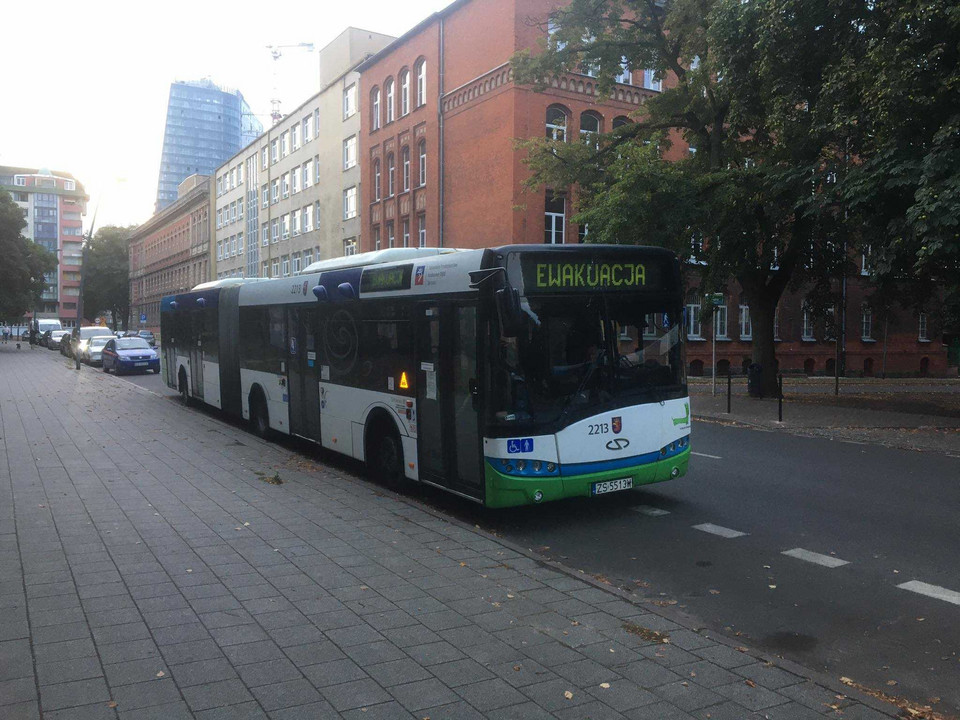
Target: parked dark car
point(148, 336)
point(129, 355)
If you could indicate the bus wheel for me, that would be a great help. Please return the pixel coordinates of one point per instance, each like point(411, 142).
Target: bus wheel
point(182, 387)
point(259, 416)
point(386, 457)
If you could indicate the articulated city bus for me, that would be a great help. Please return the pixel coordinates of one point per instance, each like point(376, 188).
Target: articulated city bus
point(508, 376)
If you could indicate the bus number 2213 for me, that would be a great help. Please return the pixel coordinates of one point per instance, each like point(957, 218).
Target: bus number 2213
point(599, 429)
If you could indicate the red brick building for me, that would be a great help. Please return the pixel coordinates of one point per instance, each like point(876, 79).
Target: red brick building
point(439, 167)
point(170, 252)
point(441, 116)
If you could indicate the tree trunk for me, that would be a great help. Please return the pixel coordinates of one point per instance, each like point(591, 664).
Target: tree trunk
point(762, 313)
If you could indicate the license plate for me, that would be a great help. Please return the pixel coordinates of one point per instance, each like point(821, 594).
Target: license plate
point(609, 486)
point(140, 364)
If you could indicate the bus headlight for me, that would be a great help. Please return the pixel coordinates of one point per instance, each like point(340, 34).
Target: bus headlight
point(521, 465)
point(537, 465)
point(551, 467)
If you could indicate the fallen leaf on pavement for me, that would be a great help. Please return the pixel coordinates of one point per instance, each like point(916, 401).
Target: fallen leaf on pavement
point(161, 673)
point(605, 686)
point(749, 683)
point(112, 704)
point(568, 695)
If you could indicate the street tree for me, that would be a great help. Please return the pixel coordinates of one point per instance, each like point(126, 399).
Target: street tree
point(106, 285)
point(897, 98)
point(755, 197)
point(22, 264)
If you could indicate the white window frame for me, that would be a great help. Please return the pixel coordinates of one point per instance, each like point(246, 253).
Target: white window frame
point(275, 269)
point(405, 232)
point(922, 331)
point(866, 323)
point(285, 265)
point(349, 100)
point(421, 230)
point(806, 326)
point(377, 180)
point(375, 109)
point(350, 152)
point(390, 100)
point(421, 83)
point(557, 132)
point(720, 318)
point(405, 167)
point(307, 222)
point(295, 136)
point(746, 323)
point(404, 93)
point(422, 152)
point(391, 175)
point(350, 202)
point(285, 226)
point(694, 319)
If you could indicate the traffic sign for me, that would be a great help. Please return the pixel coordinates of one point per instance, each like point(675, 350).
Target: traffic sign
point(716, 299)
point(143, 317)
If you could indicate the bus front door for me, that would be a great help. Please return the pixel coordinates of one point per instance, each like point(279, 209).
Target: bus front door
point(302, 384)
point(448, 429)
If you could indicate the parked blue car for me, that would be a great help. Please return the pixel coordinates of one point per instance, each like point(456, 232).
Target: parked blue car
point(129, 354)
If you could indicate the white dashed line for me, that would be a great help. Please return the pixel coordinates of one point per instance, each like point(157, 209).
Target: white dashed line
point(816, 558)
point(650, 510)
point(712, 457)
point(934, 591)
point(718, 530)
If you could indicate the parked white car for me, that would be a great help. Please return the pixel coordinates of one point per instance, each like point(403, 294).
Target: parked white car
point(92, 354)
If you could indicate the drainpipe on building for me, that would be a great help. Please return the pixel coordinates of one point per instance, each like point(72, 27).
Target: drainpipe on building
point(440, 132)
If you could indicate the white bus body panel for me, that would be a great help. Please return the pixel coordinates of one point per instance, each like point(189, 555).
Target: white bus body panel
point(645, 428)
point(343, 416)
point(211, 384)
point(278, 406)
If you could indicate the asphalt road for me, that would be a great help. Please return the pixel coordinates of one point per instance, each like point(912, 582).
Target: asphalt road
point(890, 515)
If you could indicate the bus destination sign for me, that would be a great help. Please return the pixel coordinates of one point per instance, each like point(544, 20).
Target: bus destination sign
point(385, 279)
point(544, 274)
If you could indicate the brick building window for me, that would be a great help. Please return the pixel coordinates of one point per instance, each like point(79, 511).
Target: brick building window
point(806, 328)
point(391, 235)
point(421, 82)
point(746, 325)
point(694, 325)
point(422, 149)
point(554, 207)
point(377, 184)
point(590, 128)
point(922, 330)
point(406, 232)
point(375, 109)
point(556, 123)
point(422, 230)
point(405, 165)
point(866, 322)
point(391, 175)
point(391, 105)
point(376, 237)
point(404, 92)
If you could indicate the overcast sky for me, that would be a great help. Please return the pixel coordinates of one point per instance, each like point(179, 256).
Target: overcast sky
point(85, 84)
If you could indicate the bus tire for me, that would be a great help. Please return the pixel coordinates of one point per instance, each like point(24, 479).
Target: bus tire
point(259, 414)
point(182, 386)
point(385, 454)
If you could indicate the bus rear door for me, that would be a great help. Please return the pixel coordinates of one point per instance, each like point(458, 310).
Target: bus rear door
point(448, 430)
point(302, 376)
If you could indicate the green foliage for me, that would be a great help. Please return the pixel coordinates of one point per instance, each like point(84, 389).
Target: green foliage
point(818, 125)
point(22, 264)
point(106, 274)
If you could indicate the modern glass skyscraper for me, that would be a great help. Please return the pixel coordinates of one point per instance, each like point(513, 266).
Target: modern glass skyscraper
point(206, 124)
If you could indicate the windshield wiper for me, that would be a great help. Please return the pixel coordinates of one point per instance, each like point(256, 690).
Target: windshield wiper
point(594, 364)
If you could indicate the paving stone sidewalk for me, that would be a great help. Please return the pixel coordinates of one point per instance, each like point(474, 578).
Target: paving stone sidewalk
point(149, 571)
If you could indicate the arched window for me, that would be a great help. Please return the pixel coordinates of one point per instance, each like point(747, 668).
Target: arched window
point(404, 92)
point(421, 83)
point(377, 185)
point(391, 106)
point(589, 128)
point(556, 123)
point(746, 325)
point(422, 149)
point(375, 109)
point(620, 120)
point(405, 166)
point(391, 175)
point(866, 322)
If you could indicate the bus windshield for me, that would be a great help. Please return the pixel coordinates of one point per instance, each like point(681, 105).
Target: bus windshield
point(577, 356)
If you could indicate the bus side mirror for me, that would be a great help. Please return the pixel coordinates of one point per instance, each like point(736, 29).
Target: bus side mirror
point(508, 311)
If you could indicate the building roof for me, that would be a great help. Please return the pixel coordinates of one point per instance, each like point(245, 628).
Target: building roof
point(200, 190)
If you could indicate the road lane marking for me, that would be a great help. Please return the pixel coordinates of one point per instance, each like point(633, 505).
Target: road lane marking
point(719, 530)
point(650, 510)
point(712, 457)
point(934, 591)
point(816, 558)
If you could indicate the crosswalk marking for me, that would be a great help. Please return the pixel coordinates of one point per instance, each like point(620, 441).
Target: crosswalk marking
point(650, 510)
point(719, 530)
point(934, 591)
point(816, 558)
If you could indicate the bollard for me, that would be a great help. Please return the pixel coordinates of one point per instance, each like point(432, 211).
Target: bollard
point(728, 393)
point(780, 397)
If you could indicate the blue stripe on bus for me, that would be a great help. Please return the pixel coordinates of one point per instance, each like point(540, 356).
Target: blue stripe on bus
point(605, 465)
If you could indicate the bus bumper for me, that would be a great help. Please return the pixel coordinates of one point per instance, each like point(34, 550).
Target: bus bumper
point(510, 490)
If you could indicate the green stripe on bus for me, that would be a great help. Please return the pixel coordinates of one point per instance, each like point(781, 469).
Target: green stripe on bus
point(510, 491)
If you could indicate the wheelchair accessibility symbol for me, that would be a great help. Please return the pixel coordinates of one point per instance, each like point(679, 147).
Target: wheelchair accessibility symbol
point(520, 445)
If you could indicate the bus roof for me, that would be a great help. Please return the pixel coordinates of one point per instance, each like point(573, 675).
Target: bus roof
point(375, 257)
point(225, 282)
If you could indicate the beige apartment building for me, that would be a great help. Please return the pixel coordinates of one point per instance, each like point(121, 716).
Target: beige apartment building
point(292, 196)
